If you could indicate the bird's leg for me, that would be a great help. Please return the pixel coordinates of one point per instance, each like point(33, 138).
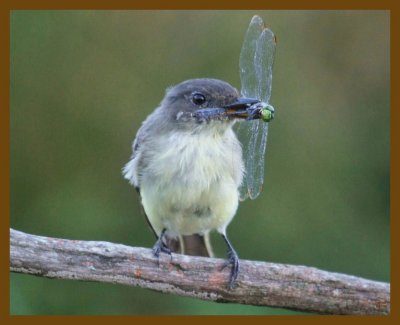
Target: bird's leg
point(160, 246)
point(233, 259)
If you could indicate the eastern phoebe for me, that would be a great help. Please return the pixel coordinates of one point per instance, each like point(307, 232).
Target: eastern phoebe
point(188, 167)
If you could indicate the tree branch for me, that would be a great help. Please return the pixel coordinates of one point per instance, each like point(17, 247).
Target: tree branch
point(264, 284)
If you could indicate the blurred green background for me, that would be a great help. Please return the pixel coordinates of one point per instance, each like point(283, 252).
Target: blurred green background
point(82, 82)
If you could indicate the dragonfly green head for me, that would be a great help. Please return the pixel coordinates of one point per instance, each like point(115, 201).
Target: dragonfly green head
point(267, 113)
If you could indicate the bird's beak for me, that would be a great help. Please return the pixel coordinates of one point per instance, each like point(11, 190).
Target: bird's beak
point(239, 107)
point(242, 108)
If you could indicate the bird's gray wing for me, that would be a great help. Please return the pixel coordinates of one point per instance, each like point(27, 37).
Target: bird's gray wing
point(131, 170)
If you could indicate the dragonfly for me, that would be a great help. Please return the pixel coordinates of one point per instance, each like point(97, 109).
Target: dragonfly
point(255, 66)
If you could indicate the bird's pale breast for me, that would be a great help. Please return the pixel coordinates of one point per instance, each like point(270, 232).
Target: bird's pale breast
point(190, 183)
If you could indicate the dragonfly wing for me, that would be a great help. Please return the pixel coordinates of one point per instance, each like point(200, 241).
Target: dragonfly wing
point(256, 59)
point(248, 77)
point(245, 131)
point(255, 179)
point(263, 62)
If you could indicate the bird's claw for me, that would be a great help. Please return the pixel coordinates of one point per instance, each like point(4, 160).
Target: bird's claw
point(233, 260)
point(161, 247)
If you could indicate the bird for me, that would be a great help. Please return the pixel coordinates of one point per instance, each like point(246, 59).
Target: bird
point(187, 167)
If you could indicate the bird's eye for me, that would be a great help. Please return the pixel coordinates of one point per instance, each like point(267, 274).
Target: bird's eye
point(198, 99)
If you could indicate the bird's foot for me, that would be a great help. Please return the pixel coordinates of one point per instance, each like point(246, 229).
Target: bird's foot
point(160, 246)
point(233, 260)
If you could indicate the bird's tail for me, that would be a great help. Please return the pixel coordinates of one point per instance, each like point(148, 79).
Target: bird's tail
point(195, 245)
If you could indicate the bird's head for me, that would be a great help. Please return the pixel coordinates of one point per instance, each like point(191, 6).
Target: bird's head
point(203, 102)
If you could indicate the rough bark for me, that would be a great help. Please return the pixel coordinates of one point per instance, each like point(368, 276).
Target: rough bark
point(259, 283)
